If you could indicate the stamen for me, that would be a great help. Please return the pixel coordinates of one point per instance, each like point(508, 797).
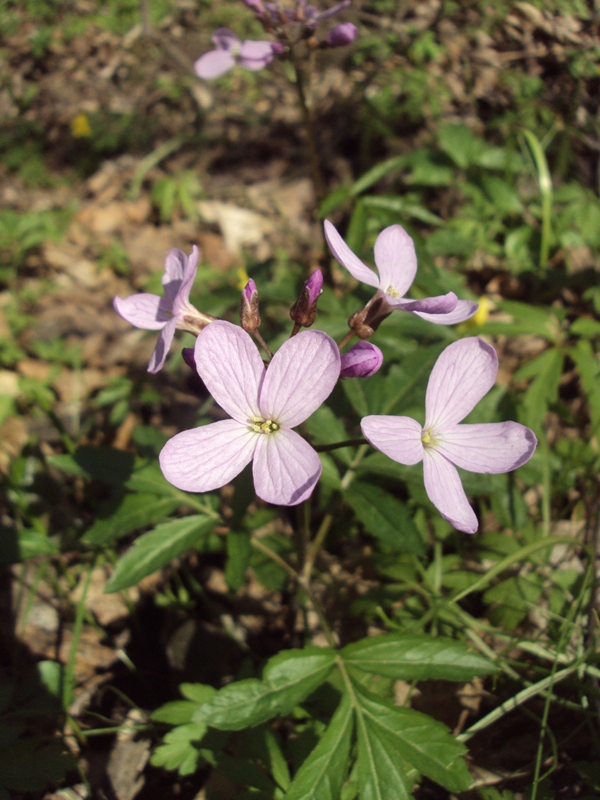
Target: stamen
point(428, 440)
point(260, 425)
point(391, 291)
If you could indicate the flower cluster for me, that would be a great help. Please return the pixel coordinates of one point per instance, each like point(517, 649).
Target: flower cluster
point(288, 25)
point(265, 401)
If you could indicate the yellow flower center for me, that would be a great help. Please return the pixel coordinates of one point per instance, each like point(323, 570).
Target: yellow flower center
point(260, 425)
point(391, 291)
point(429, 441)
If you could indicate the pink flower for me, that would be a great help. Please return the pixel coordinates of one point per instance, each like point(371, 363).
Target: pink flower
point(229, 51)
point(166, 314)
point(265, 404)
point(462, 375)
point(396, 261)
point(361, 361)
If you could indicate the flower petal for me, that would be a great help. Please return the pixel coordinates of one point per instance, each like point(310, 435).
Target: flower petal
point(464, 309)
point(214, 63)
point(361, 361)
point(396, 260)
point(165, 337)
point(189, 274)
point(444, 489)
point(489, 447)
point(225, 39)
point(142, 310)
point(255, 55)
point(464, 372)
point(398, 437)
point(300, 377)
point(346, 257)
point(230, 365)
point(440, 304)
point(286, 468)
point(207, 458)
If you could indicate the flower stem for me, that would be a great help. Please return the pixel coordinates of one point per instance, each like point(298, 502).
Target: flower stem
point(316, 175)
point(347, 338)
point(262, 343)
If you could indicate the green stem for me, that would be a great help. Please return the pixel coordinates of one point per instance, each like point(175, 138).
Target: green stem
point(325, 448)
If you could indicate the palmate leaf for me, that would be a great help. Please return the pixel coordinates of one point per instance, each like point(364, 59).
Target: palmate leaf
point(401, 657)
point(323, 773)
point(394, 735)
point(155, 549)
point(288, 679)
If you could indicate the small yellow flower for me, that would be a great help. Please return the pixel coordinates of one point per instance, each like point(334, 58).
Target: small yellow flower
point(242, 277)
point(80, 127)
point(480, 316)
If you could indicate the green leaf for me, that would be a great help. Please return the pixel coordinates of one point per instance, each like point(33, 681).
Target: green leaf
point(382, 774)
point(135, 511)
point(543, 390)
point(585, 326)
point(414, 657)
point(103, 463)
point(178, 751)
point(325, 427)
point(415, 738)
point(20, 545)
point(197, 692)
point(239, 550)
point(288, 679)
point(386, 518)
point(376, 173)
point(177, 712)
point(278, 765)
point(407, 207)
point(149, 478)
point(460, 144)
point(588, 366)
point(323, 773)
point(155, 549)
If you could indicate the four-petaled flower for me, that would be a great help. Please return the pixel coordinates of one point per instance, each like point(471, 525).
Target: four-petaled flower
point(265, 404)
point(397, 264)
point(230, 50)
point(462, 375)
point(166, 314)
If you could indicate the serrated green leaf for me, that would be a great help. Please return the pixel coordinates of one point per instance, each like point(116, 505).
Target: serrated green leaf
point(135, 511)
point(414, 657)
point(415, 738)
point(177, 712)
point(288, 678)
point(386, 518)
point(382, 774)
point(155, 549)
point(323, 773)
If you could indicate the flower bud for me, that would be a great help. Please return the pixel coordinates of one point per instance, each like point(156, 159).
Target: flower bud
point(361, 361)
point(341, 35)
point(249, 317)
point(188, 357)
point(304, 310)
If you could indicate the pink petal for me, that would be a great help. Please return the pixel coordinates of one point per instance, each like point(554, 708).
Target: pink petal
point(174, 266)
point(398, 437)
point(346, 257)
point(464, 372)
point(230, 365)
point(255, 55)
point(165, 337)
point(301, 376)
point(214, 63)
point(444, 489)
point(396, 260)
point(441, 304)
point(464, 310)
point(189, 274)
point(207, 458)
point(225, 39)
point(142, 310)
point(489, 447)
point(286, 468)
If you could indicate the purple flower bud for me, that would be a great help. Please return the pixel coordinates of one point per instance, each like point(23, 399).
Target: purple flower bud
point(256, 6)
point(314, 285)
point(249, 316)
point(304, 310)
point(361, 361)
point(188, 357)
point(343, 34)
